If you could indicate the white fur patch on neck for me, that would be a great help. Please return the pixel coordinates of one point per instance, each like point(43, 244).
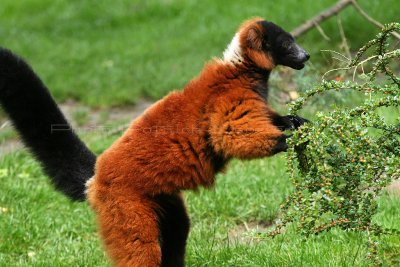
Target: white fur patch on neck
point(233, 53)
point(88, 184)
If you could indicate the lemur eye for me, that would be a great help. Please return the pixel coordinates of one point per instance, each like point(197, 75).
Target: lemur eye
point(286, 44)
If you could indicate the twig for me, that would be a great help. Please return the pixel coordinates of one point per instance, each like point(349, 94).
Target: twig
point(337, 53)
point(335, 9)
point(329, 71)
point(359, 64)
point(367, 17)
point(309, 24)
point(339, 59)
point(4, 125)
point(345, 44)
point(321, 31)
point(118, 129)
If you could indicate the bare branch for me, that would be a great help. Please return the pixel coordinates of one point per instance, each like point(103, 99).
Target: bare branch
point(344, 44)
point(321, 31)
point(333, 10)
point(367, 17)
point(309, 24)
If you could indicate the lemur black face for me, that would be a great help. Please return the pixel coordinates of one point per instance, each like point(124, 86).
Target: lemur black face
point(282, 47)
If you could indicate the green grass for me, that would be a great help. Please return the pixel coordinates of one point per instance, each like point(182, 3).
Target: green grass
point(113, 53)
point(40, 227)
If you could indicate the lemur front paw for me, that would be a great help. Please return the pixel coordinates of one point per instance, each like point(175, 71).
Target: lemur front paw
point(289, 122)
point(281, 145)
point(296, 121)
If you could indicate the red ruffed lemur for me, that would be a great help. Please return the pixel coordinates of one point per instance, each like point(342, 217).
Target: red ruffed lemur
point(178, 144)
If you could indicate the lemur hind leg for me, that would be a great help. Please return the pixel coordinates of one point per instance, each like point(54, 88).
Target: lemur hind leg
point(174, 226)
point(129, 230)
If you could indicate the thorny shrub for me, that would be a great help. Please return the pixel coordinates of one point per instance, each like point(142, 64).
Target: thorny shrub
point(340, 163)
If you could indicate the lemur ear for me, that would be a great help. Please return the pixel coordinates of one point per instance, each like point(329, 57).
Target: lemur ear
point(254, 38)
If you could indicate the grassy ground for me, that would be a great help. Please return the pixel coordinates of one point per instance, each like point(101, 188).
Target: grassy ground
point(104, 53)
point(39, 227)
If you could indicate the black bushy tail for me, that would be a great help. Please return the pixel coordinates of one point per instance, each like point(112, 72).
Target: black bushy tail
point(43, 128)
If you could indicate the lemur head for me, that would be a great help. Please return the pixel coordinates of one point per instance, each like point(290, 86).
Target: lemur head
point(266, 45)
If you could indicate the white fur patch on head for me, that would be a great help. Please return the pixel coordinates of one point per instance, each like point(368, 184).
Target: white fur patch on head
point(233, 53)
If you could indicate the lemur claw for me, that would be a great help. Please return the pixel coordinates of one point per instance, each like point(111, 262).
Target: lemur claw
point(289, 122)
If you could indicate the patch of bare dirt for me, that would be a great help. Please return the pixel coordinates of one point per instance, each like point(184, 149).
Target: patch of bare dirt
point(10, 146)
point(241, 233)
point(394, 188)
point(95, 117)
point(92, 117)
